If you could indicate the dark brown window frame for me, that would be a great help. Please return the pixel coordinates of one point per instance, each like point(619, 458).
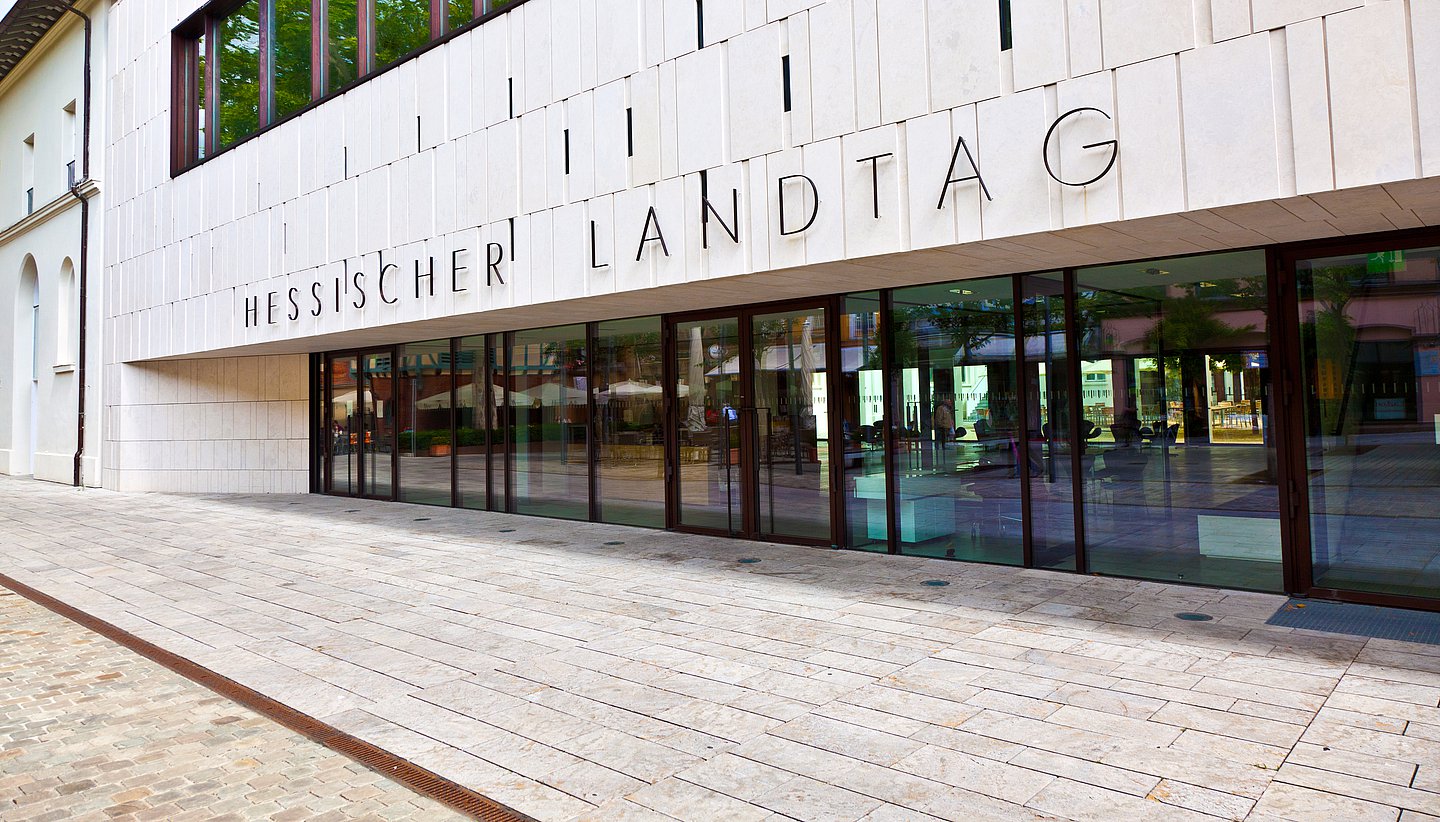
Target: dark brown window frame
point(186, 152)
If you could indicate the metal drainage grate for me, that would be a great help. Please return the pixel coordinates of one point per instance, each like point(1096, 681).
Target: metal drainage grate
point(615, 542)
point(1360, 620)
point(1191, 616)
point(422, 519)
point(935, 583)
point(507, 530)
point(749, 560)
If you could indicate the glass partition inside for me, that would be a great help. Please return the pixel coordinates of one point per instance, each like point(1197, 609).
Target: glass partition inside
point(1178, 457)
point(629, 422)
point(1048, 453)
point(1370, 354)
point(548, 399)
point(957, 489)
point(862, 432)
point(424, 404)
point(475, 418)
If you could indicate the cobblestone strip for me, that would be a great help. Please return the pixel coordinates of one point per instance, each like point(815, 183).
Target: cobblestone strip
point(90, 730)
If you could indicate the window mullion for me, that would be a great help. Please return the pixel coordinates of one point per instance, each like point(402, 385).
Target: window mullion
point(319, 40)
point(267, 63)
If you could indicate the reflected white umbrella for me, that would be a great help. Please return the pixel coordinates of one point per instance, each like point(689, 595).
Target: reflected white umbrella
point(695, 416)
point(809, 361)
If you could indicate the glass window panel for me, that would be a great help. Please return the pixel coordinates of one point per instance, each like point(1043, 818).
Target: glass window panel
point(377, 425)
point(862, 409)
point(460, 13)
point(957, 489)
point(1179, 461)
point(201, 113)
point(548, 398)
point(476, 416)
point(629, 422)
point(423, 400)
point(342, 49)
point(791, 423)
point(291, 24)
point(1047, 439)
point(343, 422)
point(708, 401)
point(1370, 353)
point(237, 76)
point(401, 26)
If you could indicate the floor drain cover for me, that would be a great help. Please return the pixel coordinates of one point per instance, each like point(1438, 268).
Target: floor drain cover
point(422, 519)
point(935, 583)
point(1359, 620)
point(352, 510)
point(749, 561)
point(1193, 617)
point(507, 530)
point(616, 542)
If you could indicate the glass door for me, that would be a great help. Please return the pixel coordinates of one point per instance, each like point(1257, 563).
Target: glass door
point(360, 441)
point(1369, 355)
point(751, 416)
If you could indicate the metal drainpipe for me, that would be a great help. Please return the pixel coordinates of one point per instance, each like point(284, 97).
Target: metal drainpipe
point(84, 251)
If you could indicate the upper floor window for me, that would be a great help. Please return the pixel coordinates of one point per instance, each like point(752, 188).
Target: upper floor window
point(245, 65)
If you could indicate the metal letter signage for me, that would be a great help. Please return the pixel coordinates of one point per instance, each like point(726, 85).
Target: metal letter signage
point(950, 174)
point(814, 210)
point(1050, 135)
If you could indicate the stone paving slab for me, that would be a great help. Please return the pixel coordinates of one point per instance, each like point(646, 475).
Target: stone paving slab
point(661, 679)
point(92, 731)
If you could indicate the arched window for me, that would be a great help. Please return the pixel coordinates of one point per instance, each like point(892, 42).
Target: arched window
point(65, 324)
point(24, 431)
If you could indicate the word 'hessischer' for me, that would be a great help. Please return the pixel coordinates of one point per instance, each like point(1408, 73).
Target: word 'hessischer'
point(356, 289)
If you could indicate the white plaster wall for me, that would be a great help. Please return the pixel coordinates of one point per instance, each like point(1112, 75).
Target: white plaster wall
point(33, 97)
point(234, 424)
point(1215, 103)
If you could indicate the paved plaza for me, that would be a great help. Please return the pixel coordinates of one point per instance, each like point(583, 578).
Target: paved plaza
point(92, 731)
point(592, 672)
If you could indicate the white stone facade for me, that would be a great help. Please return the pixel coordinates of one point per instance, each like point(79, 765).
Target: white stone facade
point(41, 132)
point(1238, 122)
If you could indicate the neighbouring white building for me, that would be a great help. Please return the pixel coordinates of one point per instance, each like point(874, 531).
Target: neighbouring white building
point(1147, 288)
point(52, 145)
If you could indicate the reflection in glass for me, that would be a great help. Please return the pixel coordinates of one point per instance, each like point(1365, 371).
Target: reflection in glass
point(377, 425)
point(424, 407)
point(202, 115)
point(290, 23)
point(862, 406)
point(629, 429)
point(791, 429)
point(401, 26)
point(548, 399)
point(958, 493)
point(343, 422)
point(708, 402)
point(342, 51)
point(1370, 351)
point(460, 12)
point(237, 75)
point(1047, 437)
point(1179, 463)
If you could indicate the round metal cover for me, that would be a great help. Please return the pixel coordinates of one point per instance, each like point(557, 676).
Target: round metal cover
point(1189, 616)
point(935, 583)
point(749, 561)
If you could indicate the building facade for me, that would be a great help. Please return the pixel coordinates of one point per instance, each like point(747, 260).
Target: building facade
point(1133, 287)
point(52, 75)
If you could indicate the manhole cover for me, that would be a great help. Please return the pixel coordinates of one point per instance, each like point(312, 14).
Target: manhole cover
point(749, 561)
point(935, 583)
point(1193, 617)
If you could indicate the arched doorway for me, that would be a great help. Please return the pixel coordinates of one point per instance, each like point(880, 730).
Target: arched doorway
point(25, 425)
